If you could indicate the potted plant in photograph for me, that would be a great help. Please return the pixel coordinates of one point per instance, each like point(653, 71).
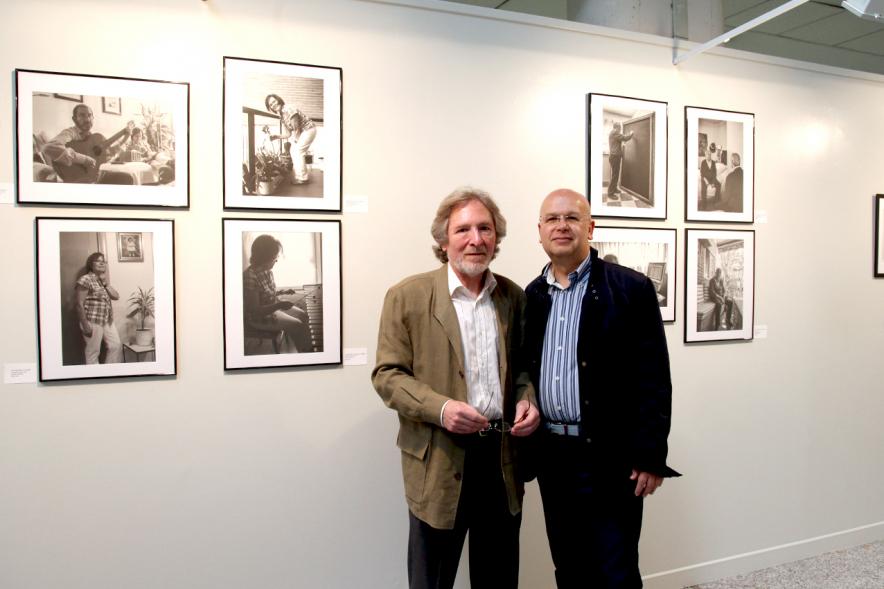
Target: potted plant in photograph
point(263, 175)
point(141, 304)
point(269, 171)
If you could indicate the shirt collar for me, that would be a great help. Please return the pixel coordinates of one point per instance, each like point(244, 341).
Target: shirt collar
point(80, 135)
point(261, 273)
point(579, 274)
point(455, 286)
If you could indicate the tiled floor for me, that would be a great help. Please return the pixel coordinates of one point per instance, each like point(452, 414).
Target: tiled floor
point(626, 200)
point(860, 567)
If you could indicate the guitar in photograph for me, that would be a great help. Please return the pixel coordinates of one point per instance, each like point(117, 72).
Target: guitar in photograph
point(76, 154)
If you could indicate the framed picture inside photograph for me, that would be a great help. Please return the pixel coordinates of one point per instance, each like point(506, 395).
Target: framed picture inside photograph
point(720, 165)
point(111, 105)
point(129, 247)
point(627, 156)
point(282, 135)
point(102, 310)
point(720, 285)
point(282, 293)
point(879, 235)
point(71, 97)
point(646, 250)
point(124, 143)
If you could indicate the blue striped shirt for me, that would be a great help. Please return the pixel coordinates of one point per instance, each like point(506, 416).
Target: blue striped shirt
point(559, 382)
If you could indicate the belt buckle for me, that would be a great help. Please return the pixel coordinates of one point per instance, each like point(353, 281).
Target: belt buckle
point(563, 429)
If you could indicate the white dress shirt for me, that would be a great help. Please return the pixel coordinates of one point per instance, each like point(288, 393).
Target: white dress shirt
point(477, 317)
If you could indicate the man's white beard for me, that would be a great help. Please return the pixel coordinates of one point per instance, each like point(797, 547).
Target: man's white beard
point(471, 269)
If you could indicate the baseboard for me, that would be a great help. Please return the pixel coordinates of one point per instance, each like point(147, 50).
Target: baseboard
point(759, 559)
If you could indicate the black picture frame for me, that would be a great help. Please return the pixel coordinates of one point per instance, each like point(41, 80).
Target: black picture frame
point(640, 190)
point(289, 159)
point(306, 272)
point(141, 344)
point(101, 164)
point(727, 311)
point(652, 251)
point(879, 236)
point(719, 165)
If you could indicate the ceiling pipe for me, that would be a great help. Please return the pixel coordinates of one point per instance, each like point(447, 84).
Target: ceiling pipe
point(872, 10)
point(751, 24)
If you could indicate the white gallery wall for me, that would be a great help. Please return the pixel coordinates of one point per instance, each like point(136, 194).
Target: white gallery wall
point(290, 477)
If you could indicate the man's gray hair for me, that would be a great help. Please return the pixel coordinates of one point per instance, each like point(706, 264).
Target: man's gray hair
point(460, 197)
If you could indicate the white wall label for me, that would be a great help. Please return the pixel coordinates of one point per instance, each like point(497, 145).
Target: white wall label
point(355, 203)
point(355, 356)
point(6, 193)
point(19, 373)
point(760, 332)
point(761, 216)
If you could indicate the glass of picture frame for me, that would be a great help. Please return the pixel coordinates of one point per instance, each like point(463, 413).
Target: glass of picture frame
point(282, 293)
point(102, 310)
point(720, 165)
point(282, 135)
point(116, 142)
point(627, 156)
point(651, 251)
point(720, 284)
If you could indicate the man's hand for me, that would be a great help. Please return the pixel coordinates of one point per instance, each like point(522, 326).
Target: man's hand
point(461, 418)
point(527, 418)
point(89, 163)
point(86, 328)
point(645, 482)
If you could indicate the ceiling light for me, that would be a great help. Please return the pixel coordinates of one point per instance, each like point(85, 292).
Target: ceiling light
point(868, 9)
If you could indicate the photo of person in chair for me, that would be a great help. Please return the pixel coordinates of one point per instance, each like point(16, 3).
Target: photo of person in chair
point(263, 310)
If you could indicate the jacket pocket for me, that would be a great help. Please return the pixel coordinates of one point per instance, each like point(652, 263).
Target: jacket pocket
point(414, 449)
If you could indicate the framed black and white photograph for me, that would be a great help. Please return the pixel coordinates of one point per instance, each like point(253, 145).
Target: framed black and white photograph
point(720, 285)
point(104, 310)
point(282, 293)
point(879, 235)
point(282, 135)
point(125, 142)
point(720, 165)
point(647, 250)
point(627, 156)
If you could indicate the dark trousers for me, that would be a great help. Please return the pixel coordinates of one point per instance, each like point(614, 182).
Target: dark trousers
point(433, 554)
point(593, 518)
point(716, 316)
point(616, 162)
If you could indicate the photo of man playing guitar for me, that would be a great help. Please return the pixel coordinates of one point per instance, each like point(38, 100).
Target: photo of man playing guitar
point(77, 153)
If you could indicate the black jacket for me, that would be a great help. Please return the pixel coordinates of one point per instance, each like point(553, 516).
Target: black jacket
point(623, 366)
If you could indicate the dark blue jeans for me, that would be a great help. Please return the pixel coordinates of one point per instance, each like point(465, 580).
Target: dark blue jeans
point(593, 518)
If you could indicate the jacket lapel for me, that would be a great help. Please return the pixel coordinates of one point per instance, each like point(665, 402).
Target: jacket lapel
point(444, 313)
point(502, 306)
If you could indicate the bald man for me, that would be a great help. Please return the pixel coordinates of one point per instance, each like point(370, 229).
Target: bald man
point(598, 361)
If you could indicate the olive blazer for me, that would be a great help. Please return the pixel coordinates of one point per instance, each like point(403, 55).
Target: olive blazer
point(420, 365)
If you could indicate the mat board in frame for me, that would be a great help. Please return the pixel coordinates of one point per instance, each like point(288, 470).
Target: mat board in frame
point(282, 293)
